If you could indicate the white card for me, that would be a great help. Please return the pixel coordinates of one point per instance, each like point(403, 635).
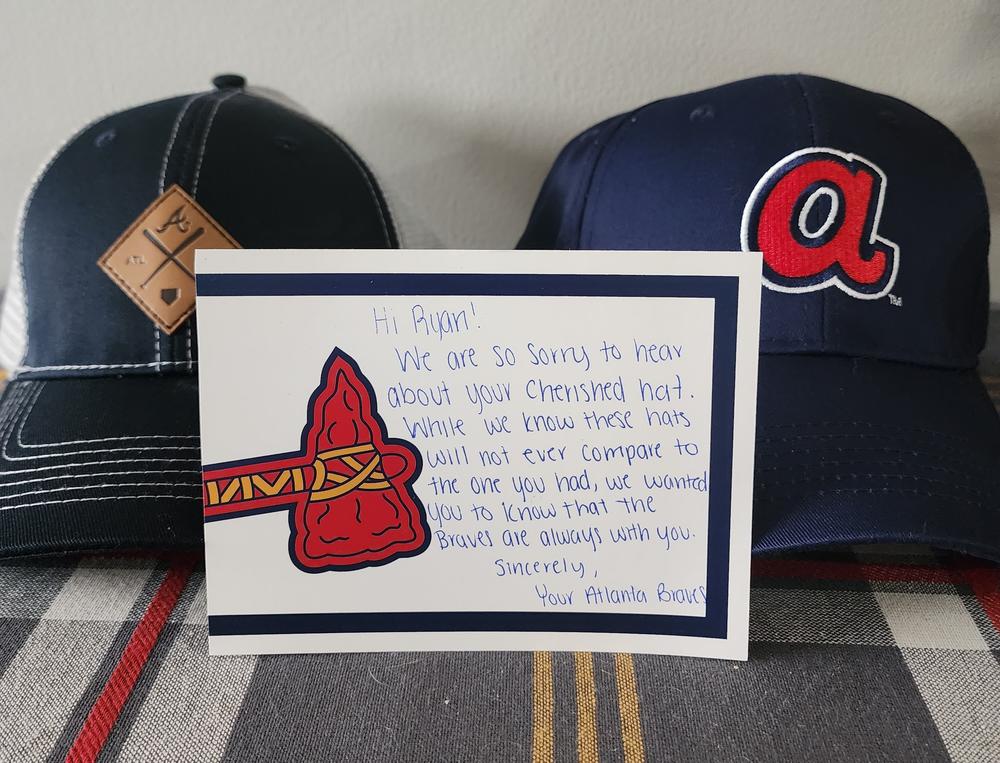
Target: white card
point(426, 450)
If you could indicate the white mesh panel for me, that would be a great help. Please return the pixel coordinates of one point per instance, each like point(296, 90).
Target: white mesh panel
point(14, 317)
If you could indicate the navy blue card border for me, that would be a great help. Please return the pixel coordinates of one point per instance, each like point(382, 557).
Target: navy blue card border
point(724, 290)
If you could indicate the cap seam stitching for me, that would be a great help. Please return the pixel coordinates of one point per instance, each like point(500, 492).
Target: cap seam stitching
point(173, 138)
point(194, 195)
point(22, 224)
point(85, 475)
point(193, 461)
point(27, 415)
point(33, 480)
point(86, 366)
point(811, 123)
point(194, 100)
point(8, 429)
point(17, 412)
point(967, 362)
point(593, 186)
point(96, 498)
point(772, 496)
point(204, 141)
point(362, 168)
point(192, 137)
point(157, 336)
point(98, 487)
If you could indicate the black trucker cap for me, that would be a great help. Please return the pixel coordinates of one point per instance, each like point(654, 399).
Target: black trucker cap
point(99, 422)
point(872, 423)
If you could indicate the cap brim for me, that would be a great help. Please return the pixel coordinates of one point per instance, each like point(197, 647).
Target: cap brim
point(853, 451)
point(849, 451)
point(99, 464)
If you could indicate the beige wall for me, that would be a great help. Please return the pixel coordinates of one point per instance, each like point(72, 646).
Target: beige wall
point(459, 107)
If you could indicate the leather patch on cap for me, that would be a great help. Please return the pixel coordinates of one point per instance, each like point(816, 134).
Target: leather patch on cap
point(153, 260)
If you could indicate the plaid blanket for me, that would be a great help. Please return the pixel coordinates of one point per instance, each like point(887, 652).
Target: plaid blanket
point(861, 654)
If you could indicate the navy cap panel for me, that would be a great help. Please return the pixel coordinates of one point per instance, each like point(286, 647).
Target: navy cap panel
point(271, 177)
point(98, 464)
point(853, 450)
point(934, 211)
point(667, 179)
point(874, 225)
point(113, 463)
point(90, 194)
point(687, 173)
point(677, 175)
point(305, 187)
point(558, 213)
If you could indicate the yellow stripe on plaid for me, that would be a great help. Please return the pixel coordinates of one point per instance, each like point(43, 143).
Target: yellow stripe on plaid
point(542, 709)
point(628, 710)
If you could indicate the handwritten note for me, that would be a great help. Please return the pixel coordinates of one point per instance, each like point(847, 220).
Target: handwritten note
point(562, 460)
point(500, 455)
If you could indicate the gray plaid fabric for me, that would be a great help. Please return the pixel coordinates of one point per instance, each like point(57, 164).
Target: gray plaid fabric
point(865, 654)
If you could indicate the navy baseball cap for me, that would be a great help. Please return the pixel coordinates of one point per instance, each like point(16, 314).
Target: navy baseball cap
point(99, 444)
point(872, 423)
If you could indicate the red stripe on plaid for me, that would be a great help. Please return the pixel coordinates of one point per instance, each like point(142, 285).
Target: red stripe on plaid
point(985, 584)
point(104, 714)
point(852, 571)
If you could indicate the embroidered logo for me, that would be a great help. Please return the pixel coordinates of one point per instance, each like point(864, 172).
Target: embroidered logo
point(815, 216)
point(153, 260)
point(349, 488)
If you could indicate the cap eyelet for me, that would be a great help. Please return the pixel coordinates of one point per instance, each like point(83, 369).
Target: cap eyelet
point(889, 117)
point(702, 113)
point(286, 143)
point(106, 137)
point(226, 81)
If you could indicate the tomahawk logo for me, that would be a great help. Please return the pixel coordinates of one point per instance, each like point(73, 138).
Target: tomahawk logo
point(815, 216)
point(348, 490)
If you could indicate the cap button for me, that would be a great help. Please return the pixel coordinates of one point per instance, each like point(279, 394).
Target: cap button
point(224, 81)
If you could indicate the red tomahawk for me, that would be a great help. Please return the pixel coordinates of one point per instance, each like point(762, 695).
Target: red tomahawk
point(349, 488)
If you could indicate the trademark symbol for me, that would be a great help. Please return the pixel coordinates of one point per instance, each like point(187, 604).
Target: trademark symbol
point(895, 301)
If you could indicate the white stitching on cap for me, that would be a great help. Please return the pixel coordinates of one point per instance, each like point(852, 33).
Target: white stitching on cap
point(194, 194)
point(10, 416)
point(16, 413)
point(89, 366)
point(101, 498)
point(30, 407)
point(38, 394)
point(99, 487)
point(16, 366)
point(204, 141)
point(25, 446)
point(173, 138)
point(19, 234)
point(99, 474)
point(9, 426)
point(162, 182)
point(109, 461)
